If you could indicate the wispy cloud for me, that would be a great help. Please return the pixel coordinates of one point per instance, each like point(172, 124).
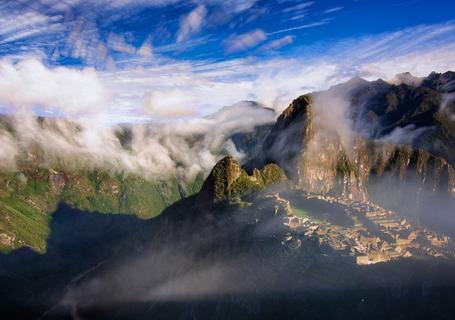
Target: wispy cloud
point(168, 104)
point(303, 26)
point(192, 23)
point(207, 85)
point(17, 26)
point(299, 7)
point(117, 42)
point(297, 11)
point(331, 10)
point(298, 16)
point(244, 41)
point(278, 43)
point(234, 6)
point(146, 49)
point(133, 73)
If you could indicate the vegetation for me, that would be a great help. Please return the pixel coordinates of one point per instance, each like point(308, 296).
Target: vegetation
point(228, 181)
point(245, 185)
point(300, 213)
point(344, 165)
point(29, 197)
point(322, 211)
point(225, 172)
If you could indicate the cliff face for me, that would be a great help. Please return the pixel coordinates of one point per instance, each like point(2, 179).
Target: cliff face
point(287, 137)
point(323, 157)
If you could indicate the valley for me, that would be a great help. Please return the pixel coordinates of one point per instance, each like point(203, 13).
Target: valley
point(227, 160)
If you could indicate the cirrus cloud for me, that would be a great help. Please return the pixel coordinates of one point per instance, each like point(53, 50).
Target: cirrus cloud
point(192, 23)
point(278, 43)
point(244, 41)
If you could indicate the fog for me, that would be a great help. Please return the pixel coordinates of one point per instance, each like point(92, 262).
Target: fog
point(179, 147)
point(236, 255)
point(199, 259)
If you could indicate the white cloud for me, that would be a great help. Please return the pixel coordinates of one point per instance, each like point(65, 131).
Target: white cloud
point(244, 41)
point(29, 83)
point(20, 25)
point(168, 104)
point(278, 43)
point(303, 26)
point(8, 151)
point(182, 148)
point(299, 7)
point(208, 85)
point(168, 89)
point(419, 64)
point(276, 81)
point(146, 49)
point(192, 23)
point(117, 42)
point(236, 5)
point(405, 135)
point(65, 5)
point(331, 10)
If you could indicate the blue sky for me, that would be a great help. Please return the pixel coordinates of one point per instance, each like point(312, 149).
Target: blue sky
point(161, 59)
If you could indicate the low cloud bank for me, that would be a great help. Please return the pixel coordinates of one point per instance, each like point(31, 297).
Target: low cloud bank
point(183, 148)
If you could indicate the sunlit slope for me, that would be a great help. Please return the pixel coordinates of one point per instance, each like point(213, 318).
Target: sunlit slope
point(30, 196)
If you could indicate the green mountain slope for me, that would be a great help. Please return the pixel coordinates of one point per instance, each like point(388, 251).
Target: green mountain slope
point(30, 196)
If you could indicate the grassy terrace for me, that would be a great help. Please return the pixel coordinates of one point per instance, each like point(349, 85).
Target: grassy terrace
point(322, 211)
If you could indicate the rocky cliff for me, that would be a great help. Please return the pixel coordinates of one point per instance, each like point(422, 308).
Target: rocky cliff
point(322, 158)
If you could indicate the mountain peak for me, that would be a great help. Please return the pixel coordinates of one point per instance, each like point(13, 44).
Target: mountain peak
point(406, 78)
point(228, 181)
point(224, 174)
point(320, 158)
point(442, 82)
point(285, 138)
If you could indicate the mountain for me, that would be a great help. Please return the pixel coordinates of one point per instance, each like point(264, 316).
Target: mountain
point(276, 248)
point(249, 122)
point(442, 82)
point(228, 181)
point(326, 212)
point(419, 114)
point(54, 162)
point(31, 194)
point(350, 157)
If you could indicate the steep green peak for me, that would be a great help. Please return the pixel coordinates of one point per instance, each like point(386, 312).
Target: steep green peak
point(224, 174)
point(219, 181)
point(228, 181)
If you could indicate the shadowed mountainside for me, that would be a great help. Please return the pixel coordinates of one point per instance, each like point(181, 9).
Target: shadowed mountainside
point(184, 263)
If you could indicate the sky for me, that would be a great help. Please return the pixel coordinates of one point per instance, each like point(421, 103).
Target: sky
point(160, 60)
